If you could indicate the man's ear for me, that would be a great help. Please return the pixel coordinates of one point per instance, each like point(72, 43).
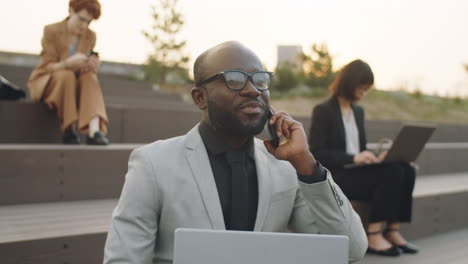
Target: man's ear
point(200, 97)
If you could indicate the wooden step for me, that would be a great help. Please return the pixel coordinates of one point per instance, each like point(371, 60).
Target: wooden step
point(47, 232)
point(64, 232)
point(48, 173)
point(44, 173)
point(49, 220)
point(24, 122)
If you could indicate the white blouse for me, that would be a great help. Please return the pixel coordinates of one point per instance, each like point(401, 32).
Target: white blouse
point(351, 131)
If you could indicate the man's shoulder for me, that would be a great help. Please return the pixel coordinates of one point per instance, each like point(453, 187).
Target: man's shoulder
point(163, 146)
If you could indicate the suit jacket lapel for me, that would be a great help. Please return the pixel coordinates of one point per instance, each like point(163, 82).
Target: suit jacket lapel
point(264, 186)
point(359, 117)
point(199, 163)
point(339, 120)
point(63, 40)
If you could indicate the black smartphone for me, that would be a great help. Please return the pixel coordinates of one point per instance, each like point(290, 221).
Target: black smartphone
point(93, 53)
point(270, 131)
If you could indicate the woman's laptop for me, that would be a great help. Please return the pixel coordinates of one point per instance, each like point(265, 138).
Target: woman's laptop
point(234, 247)
point(407, 145)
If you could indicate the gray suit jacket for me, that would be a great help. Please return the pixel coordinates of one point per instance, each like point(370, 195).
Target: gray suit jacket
point(170, 184)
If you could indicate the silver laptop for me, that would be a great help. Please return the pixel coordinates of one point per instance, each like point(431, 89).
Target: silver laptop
point(201, 246)
point(407, 145)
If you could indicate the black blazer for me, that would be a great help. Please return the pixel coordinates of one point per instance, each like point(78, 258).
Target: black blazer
point(327, 139)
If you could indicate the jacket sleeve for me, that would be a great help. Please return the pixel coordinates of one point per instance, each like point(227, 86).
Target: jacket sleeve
point(320, 138)
point(322, 208)
point(133, 230)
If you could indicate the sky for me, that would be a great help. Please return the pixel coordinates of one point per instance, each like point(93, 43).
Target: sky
point(410, 44)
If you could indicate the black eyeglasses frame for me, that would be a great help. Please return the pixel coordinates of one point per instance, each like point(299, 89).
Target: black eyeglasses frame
point(249, 77)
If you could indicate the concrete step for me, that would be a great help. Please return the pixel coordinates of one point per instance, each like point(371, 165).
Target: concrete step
point(440, 204)
point(47, 232)
point(448, 248)
point(438, 158)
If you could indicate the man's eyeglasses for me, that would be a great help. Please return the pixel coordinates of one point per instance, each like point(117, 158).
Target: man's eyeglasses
point(236, 79)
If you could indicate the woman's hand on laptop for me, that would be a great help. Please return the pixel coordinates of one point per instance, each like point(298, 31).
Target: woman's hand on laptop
point(382, 155)
point(365, 157)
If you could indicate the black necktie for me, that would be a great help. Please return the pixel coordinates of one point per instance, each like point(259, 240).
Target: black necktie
point(239, 191)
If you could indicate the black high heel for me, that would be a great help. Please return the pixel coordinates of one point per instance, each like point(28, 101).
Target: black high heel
point(389, 252)
point(407, 248)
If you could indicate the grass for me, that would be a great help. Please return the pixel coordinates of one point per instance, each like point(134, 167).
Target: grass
point(382, 105)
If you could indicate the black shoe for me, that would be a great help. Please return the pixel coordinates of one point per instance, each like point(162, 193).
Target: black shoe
point(409, 248)
point(71, 137)
point(391, 252)
point(98, 139)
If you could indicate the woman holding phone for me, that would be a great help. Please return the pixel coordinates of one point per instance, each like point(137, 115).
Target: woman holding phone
point(66, 79)
point(337, 138)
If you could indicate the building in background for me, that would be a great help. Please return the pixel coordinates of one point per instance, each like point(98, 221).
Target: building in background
point(290, 54)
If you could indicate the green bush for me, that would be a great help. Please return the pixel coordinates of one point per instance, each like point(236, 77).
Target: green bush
point(286, 78)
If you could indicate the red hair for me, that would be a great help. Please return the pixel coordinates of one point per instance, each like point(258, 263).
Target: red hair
point(92, 6)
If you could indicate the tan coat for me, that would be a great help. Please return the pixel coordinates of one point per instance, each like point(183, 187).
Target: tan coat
point(77, 97)
point(55, 43)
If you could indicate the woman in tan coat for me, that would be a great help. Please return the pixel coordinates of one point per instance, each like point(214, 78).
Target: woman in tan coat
point(66, 79)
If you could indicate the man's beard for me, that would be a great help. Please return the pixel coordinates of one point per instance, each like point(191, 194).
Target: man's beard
point(229, 124)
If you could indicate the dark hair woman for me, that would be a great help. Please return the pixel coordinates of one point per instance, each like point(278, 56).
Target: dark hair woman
point(337, 137)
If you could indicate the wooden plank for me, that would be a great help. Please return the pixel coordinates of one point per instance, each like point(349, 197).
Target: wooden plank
point(433, 213)
point(48, 220)
point(80, 249)
point(48, 173)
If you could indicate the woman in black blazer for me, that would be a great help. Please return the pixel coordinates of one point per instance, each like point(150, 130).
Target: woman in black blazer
point(337, 137)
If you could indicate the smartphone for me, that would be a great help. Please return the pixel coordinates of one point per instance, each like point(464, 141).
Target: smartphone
point(93, 53)
point(269, 131)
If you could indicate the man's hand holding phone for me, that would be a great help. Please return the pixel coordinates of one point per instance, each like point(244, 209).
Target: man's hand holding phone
point(293, 147)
